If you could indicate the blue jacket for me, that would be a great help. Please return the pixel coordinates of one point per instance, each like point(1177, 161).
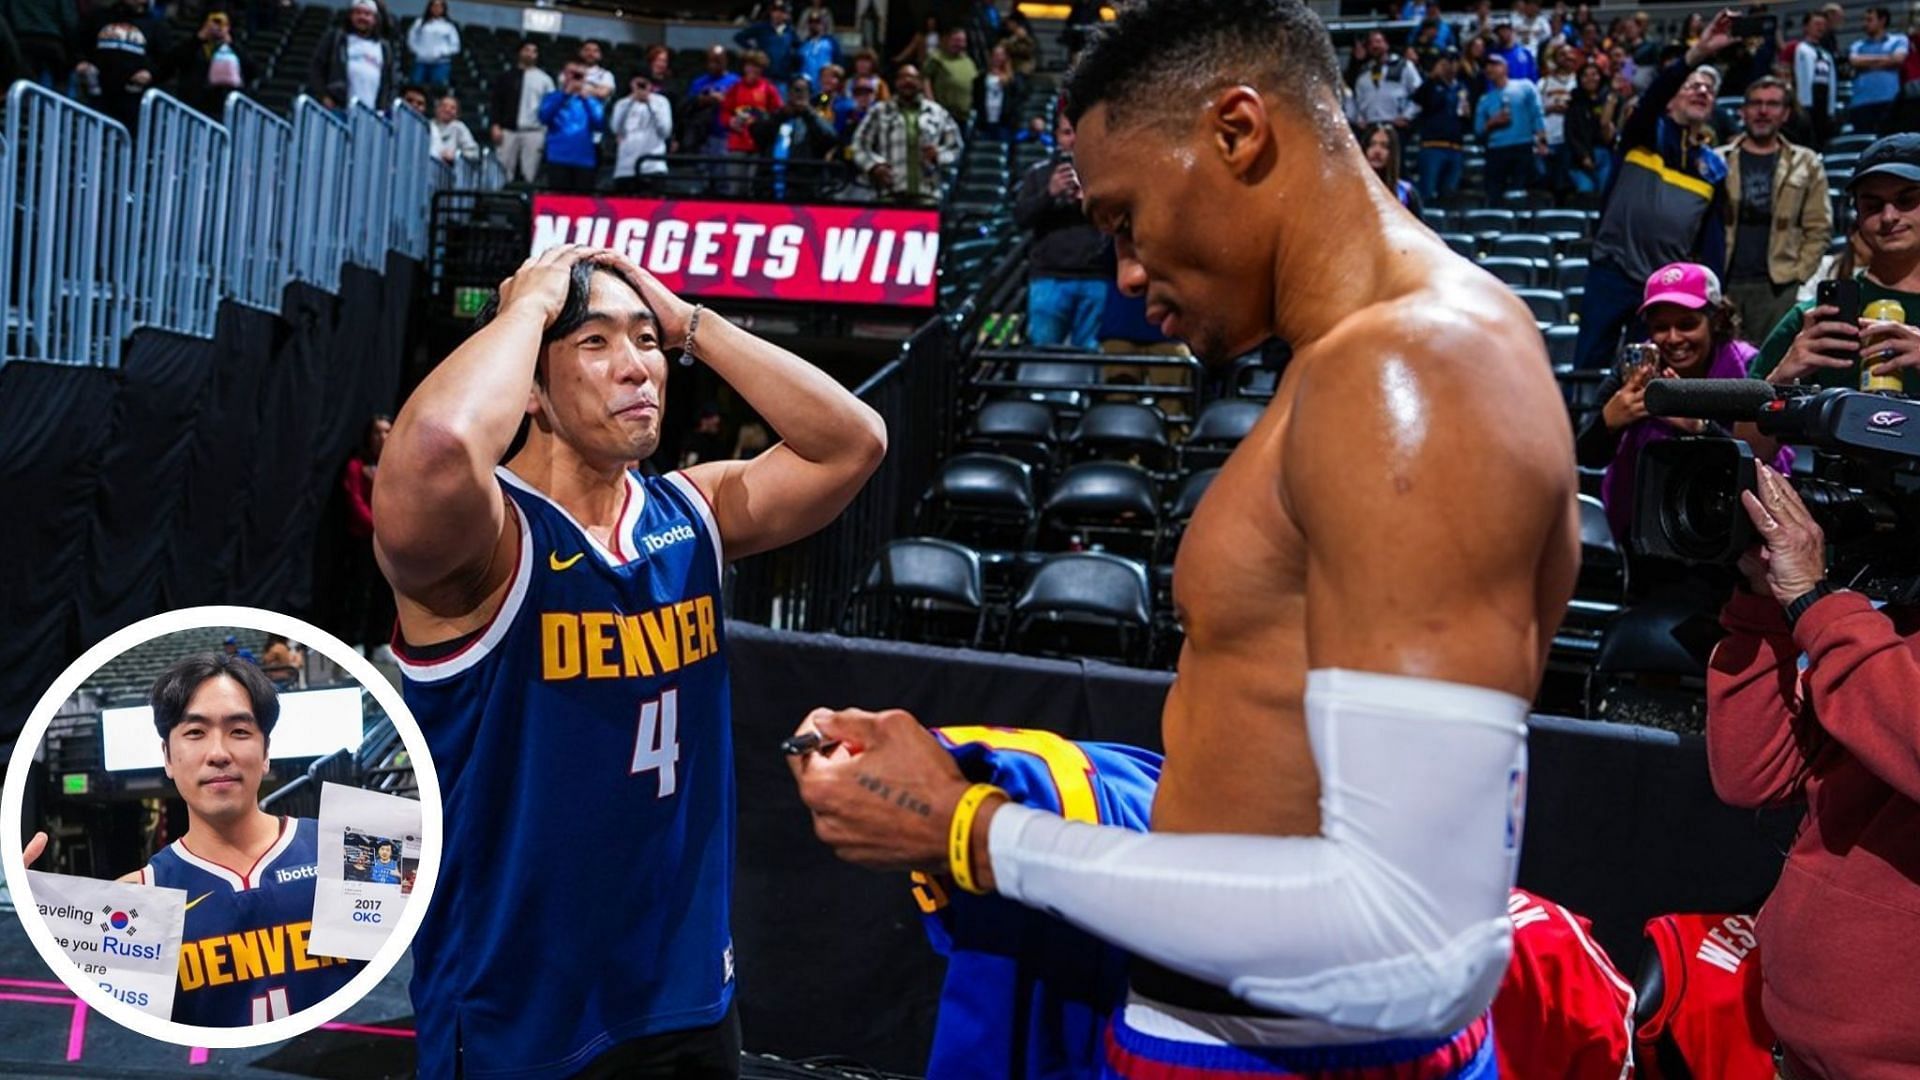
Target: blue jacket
point(779, 45)
point(817, 53)
point(571, 121)
point(1440, 121)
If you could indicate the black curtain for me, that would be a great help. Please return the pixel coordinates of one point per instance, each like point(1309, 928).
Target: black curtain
point(197, 473)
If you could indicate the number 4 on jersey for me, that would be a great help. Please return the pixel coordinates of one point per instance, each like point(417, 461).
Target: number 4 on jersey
point(657, 745)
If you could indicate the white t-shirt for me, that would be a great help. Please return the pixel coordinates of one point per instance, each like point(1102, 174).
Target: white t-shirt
point(1557, 89)
point(643, 131)
point(1532, 33)
point(366, 60)
point(533, 89)
point(599, 76)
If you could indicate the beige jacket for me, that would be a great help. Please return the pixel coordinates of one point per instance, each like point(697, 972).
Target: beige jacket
point(1802, 217)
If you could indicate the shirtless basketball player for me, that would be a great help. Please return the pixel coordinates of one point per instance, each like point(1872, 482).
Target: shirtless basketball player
point(1369, 590)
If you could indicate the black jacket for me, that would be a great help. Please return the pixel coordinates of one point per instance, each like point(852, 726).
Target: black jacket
point(327, 75)
point(1016, 96)
point(1065, 243)
point(503, 99)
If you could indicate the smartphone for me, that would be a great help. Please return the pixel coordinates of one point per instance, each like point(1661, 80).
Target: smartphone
point(1756, 26)
point(1636, 356)
point(1841, 294)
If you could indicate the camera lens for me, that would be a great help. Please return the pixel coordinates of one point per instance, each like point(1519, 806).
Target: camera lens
point(1698, 515)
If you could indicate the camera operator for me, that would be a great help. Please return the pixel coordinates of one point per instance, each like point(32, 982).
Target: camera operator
point(1808, 345)
point(1841, 932)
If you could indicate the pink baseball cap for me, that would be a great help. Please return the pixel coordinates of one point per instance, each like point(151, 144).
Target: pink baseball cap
point(1687, 284)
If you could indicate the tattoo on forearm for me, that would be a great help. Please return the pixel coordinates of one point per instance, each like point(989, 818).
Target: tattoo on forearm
point(906, 800)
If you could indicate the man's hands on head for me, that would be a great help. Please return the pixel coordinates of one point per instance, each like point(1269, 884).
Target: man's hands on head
point(539, 288)
point(884, 797)
point(669, 310)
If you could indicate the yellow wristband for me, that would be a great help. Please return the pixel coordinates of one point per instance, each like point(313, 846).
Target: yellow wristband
point(960, 836)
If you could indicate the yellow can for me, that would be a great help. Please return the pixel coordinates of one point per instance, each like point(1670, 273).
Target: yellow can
point(1888, 311)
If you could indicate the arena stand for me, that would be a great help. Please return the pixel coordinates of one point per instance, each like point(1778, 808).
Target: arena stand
point(171, 410)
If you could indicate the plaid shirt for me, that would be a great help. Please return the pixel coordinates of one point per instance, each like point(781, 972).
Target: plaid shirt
point(881, 139)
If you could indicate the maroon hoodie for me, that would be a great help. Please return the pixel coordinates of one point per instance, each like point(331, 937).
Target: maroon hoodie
point(1841, 933)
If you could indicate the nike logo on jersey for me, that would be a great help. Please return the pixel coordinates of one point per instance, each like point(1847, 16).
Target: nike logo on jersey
point(196, 900)
point(554, 560)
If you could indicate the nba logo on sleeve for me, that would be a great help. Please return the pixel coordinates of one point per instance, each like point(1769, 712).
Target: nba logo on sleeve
point(1516, 805)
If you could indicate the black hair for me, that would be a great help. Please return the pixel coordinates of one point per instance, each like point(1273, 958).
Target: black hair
point(572, 315)
point(178, 683)
point(1885, 15)
point(1157, 55)
point(414, 88)
point(526, 41)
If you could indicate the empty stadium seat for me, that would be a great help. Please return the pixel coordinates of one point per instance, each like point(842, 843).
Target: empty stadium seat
point(1437, 219)
point(1495, 221)
point(985, 500)
point(1220, 428)
point(1560, 343)
point(1043, 374)
point(920, 589)
point(1022, 430)
point(1550, 221)
point(1105, 504)
point(1603, 570)
point(1548, 305)
point(1521, 273)
point(1570, 272)
point(1122, 431)
point(1523, 246)
point(1463, 244)
point(1085, 604)
point(1575, 294)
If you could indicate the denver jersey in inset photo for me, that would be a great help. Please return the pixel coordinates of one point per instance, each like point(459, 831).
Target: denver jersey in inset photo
point(583, 740)
point(243, 951)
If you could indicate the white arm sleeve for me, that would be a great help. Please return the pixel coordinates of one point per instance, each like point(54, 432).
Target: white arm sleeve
point(1393, 919)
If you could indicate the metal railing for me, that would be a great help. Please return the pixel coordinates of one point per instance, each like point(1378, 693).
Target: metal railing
point(370, 187)
point(181, 204)
point(482, 173)
point(65, 231)
point(261, 160)
point(416, 176)
point(317, 212)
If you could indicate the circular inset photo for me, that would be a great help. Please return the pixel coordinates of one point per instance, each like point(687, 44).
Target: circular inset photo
point(233, 827)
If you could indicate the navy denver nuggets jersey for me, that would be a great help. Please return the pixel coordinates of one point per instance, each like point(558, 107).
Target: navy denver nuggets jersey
point(1026, 995)
point(584, 747)
point(243, 951)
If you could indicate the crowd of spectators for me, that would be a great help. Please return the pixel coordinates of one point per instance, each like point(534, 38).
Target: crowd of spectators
point(784, 91)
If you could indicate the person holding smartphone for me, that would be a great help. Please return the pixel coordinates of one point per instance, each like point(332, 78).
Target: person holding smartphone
point(1693, 333)
point(1066, 286)
point(1811, 344)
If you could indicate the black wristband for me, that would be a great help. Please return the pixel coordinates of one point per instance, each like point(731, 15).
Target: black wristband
point(1806, 600)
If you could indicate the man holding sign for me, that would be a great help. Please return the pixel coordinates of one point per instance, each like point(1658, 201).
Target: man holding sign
point(243, 954)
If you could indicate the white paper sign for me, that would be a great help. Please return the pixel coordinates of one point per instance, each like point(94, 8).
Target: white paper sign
point(124, 937)
point(369, 852)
